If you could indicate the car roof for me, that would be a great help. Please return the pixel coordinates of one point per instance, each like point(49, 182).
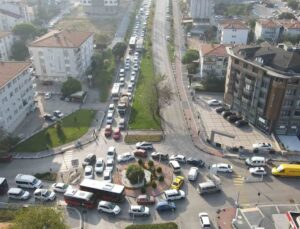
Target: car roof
point(88, 168)
point(15, 190)
point(100, 159)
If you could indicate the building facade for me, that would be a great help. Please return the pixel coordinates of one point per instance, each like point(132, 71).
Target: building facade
point(101, 7)
point(201, 10)
point(8, 20)
point(62, 54)
point(263, 84)
point(16, 7)
point(16, 93)
point(233, 32)
point(6, 42)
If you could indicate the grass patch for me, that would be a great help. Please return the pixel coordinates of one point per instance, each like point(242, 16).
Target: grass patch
point(72, 127)
point(46, 176)
point(7, 215)
point(154, 226)
point(130, 139)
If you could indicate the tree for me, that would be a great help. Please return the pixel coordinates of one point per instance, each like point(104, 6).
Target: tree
point(70, 86)
point(38, 217)
point(7, 141)
point(190, 56)
point(293, 4)
point(192, 68)
point(286, 15)
point(212, 83)
point(250, 38)
point(19, 51)
point(135, 174)
point(119, 49)
point(25, 31)
point(210, 33)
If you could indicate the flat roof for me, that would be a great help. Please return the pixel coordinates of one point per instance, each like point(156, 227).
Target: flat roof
point(101, 185)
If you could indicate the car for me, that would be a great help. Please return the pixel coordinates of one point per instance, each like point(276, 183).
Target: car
point(111, 107)
point(127, 59)
point(222, 167)
point(48, 95)
point(132, 79)
point(99, 166)
point(109, 118)
point(257, 171)
point(241, 123)
point(188, 34)
point(195, 162)
point(214, 102)
point(145, 200)
point(58, 114)
point(234, 118)
point(121, 124)
point(18, 194)
point(122, 81)
point(90, 159)
point(127, 66)
point(135, 67)
point(193, 174)
point(204, 220)
point(160, 156)
point(111, 152)
point(140, 153)
point(44, 194)
point(110, 164)
point(117, 134)
point(49, 117)
point(177, 182)
point(165, 206)
point(262, 147)
point(108, 207)
point(125, 157)
point(89, 172)
point(121, 72)
point(107, 177)
point(144, 145)
point(226, 113)
point(60, 187)
point(173, 194)
point(138, 210)
point(178, 157)
point(219, 110)
point(130, 87)
point(107, 130)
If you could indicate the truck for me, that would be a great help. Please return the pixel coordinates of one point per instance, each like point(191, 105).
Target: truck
point(140, 45)
point(115, 91)
point(123, 104)
point(132, 42)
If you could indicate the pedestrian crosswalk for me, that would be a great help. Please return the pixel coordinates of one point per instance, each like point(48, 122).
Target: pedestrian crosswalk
point(238, 180)
point(67, 161)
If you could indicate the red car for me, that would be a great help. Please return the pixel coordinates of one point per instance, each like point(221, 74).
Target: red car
point(108, 131)
point(140, 153)
point(145, 200)
point(5, 158)
point(117, 134)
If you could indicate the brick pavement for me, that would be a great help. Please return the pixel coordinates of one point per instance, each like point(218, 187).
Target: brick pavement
point(224, 218)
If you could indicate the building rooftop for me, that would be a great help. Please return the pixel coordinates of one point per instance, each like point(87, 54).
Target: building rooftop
point(234, 24)
point(268, 23)
point(290, 24)
point(62, 39)
point(213, 49)
point(4, 34)
point(9, 70)
point(11, 14)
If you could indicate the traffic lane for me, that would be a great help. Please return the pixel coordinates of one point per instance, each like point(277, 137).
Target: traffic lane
point(73, 217)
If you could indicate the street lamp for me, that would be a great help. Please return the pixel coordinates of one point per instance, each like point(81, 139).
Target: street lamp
point(90, 79)
point(258, 194)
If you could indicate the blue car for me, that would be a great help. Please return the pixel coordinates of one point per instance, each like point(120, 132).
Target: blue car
point(165, 206)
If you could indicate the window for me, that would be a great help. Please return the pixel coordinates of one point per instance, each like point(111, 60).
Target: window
point(255, 70)
point(286, 113)
point(297, 113)
point(290, 92)
point(264, 84)
point(245, 65)
point(233, 36)
point(288, 103)
point(236, 61)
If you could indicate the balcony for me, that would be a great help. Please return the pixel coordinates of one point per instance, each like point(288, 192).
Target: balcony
point(248, 92)
point(249, 81)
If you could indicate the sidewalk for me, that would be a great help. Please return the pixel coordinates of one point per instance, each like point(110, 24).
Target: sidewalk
point(225, 217)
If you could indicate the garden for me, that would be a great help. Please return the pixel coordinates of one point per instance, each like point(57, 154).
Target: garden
point(154, 226)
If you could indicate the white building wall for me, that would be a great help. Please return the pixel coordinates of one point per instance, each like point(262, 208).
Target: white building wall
point(7, 23)
point(266, 33)
point(86, 2)
point(292, 32)
point(17, 100)
point(5, 47)
point(234, 36)
point(201, 9)
point(111, 2)
point(16, 8)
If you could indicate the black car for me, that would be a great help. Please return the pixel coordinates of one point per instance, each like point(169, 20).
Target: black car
point(160, 156)
point(295, 162)
point(225, 114)
point(219, 110)
point(49, 117)
point(241, 123)
point(196, 162)
point(233, 118)
point(90, 159)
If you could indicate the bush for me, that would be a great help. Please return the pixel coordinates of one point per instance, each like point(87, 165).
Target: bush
point(159, 169)
point(143, 190)
point(135, 174)
point(153, 184)
point(46, 176)
point(150, 163)
point(161, 178)
point(141, 162)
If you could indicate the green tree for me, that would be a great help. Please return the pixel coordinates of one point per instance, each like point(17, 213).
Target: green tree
point(7, 141)
point(119, 49)
point(135, 174)
point(25, 31)
point(150, 163)
point(190, 56)
point(70, 86)
point(38, 218)
point(192, 68)
point(213, 84)
point(250, 38)
point(210, 33)
point(19, 51)
point(286, 15)
point(293, 4)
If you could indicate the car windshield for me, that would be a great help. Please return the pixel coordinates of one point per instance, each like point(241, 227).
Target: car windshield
point(142, 208)
point(22, 193)
point(110, 153)
point(111, 205)
point(64, 186)
point(47, 193)
point(34, 181)
point(99, 164)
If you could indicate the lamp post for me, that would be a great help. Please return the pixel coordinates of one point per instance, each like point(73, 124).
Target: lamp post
point(90, 80)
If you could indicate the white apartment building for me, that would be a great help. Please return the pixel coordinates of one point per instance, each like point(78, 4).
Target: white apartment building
point(6, 42)
point(86, 2)
point(16, 93)
point(268, 30)
point(17, 7)
point(61, 54)
point(111, 3)
point(8, 20)
point(201, 9)
point(233, 32)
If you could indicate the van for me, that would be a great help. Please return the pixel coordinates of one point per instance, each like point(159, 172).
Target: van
point(175, 166)
point(173, 194)
point(208, 187)
point(255, 161)
point(193, 174)
point(28, 181)
point(287, 170)
point(18, 194)
point(3, 186)
point(122, 124)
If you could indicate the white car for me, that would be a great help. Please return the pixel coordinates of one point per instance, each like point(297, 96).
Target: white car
point(108, 207)
point(130, 87)
point(125, 157)
point(18, 194)
point(258, 171)
point(144, 145)
point(132, 78)
point(204, 220)
point(214, 102)
point(138, 210)
point(58, 114)
point(135, 67)
point(127, 66)
point(111, 152)
point(110, 164)
point(122, 72)
point(178, 157)
point(99, 166)
point(60, 187)
point(262, 147)
point(111, 107)
point(44, 194)
point(48, 95)
point(89, 172)
point(222, 167)
point(109, 118)
point(107, 177)
point(122, 81)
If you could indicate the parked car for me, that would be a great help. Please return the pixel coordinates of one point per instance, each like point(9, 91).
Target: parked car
point(193, 174)
point(117, 134)
point(60, 187)
point(233, 118)
point(110, 164)
point(144, 145)
point(108, 207)
point(136, 67)
point(111, 152)
point(121, 72)
point(125, 157)
point(127, 66)
point(44, 194)
point(258, 171)
point(99, 166)
point(49, 117)
point(262, 147)
point(204, 220)
point(219, 110)
point(58, 114)
point(195, 162)
point(109, 118)
point(177, 182)
point(48, 95)
point(18, 194)
point(214, 102)
point(107, 177)
point(225, 114)
point(140, 153)
point(160, 156)
point(90, 159)
point(222, 167)
point(145, 200)
point(165, 206)
point(111, 107)
point(241, 123)
point(89, 172)
point(108, 130)
point(138, 210)
point(5, 157)
point(178, 157)
point(173, 194)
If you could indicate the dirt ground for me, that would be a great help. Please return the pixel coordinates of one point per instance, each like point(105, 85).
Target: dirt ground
point(5, 225)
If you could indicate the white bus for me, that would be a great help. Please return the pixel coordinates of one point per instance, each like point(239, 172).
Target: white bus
point(132, 42)
point(115, 91)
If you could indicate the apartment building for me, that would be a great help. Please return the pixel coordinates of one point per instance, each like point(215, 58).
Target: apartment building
point(17, 7)
point(263, 84)
point(233, 32)
point(201, 10)
point(6, 42)
point(101, 7)
point(8, 20)
point(61, 54)
point(16, 93)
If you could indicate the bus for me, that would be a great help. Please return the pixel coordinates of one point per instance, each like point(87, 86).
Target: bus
point(132, 42)
point(115, 91)
point(103, 190)
point(286, 170)
point(76, 197)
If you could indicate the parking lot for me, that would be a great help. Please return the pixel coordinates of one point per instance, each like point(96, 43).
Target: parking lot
point(245, 136)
